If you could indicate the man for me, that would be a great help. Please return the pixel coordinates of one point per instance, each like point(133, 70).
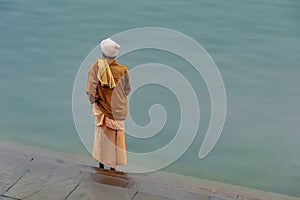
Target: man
point(107, 89)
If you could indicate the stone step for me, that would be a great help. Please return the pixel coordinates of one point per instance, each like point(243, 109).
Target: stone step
point(33, 175)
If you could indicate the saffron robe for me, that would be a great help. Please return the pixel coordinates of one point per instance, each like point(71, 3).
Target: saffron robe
point(110, 109)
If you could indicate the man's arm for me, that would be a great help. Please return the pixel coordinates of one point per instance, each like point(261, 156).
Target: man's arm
point(127, 88)
point(92, 83)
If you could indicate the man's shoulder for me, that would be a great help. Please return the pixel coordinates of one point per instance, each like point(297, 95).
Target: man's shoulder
point(94, 67)
point(121, 67)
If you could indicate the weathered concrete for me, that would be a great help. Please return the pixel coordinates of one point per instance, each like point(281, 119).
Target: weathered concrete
point(147, 196)
point(31, 175)
point(92, 190)
point(5, 198)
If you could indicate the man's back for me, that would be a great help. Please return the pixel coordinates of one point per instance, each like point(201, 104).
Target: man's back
point(113, 102)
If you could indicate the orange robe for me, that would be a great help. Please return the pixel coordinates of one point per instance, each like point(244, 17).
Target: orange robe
point(110, 109)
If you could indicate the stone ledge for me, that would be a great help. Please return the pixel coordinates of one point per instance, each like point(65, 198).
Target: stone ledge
point(26, 174)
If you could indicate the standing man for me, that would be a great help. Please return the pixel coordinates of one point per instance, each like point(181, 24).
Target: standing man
point(107, 89)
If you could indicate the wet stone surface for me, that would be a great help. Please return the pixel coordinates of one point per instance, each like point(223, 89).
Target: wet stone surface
point(10, 171)
point(37, 185)
point(5, 198)
point(147, 196)
point(35, 176)
point(92, 190)
point(219, 198)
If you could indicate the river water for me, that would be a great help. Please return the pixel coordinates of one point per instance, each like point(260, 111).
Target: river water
point(255, 45)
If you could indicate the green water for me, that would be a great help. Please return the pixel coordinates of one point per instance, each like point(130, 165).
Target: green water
point(255, 45)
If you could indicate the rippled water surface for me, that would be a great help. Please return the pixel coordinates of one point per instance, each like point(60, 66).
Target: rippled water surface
point(255, 45)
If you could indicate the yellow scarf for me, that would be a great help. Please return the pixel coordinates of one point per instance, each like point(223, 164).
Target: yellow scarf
point(104, 74)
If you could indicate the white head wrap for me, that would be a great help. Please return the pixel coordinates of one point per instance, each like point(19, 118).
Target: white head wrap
point(109, 47)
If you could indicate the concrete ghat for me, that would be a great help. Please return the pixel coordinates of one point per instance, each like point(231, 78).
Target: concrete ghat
point(29, 174)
